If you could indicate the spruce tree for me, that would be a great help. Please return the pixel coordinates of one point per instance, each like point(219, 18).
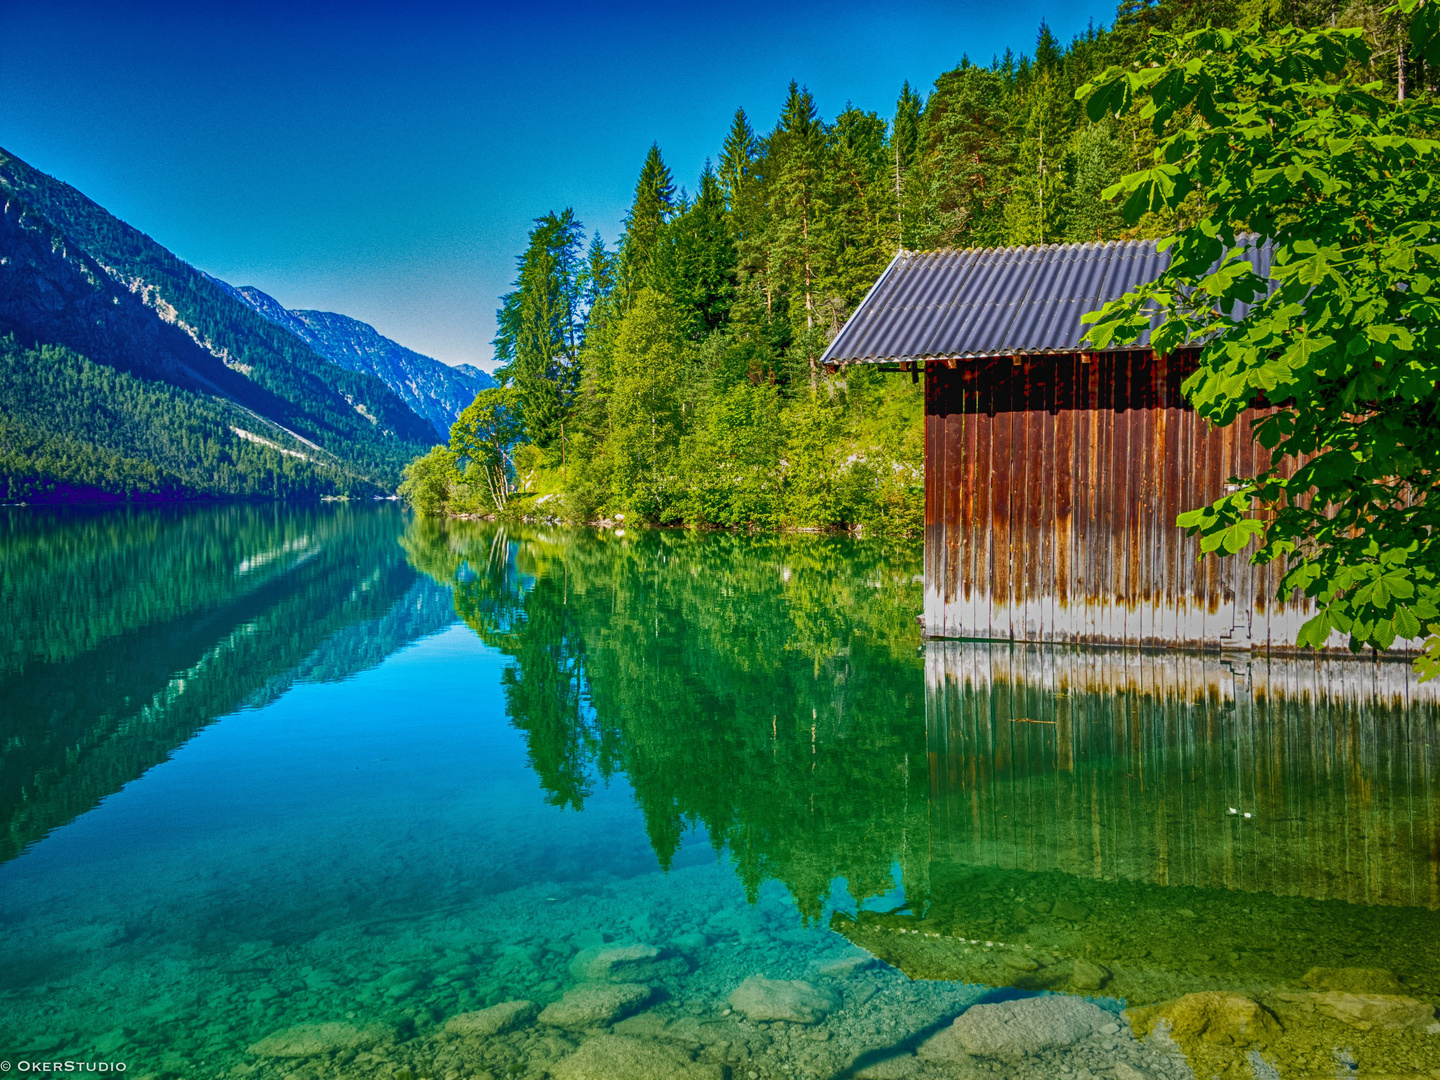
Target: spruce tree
point(541, 326)
point(694, 263)
point(653, 205)
point(799, 207)
point(737, 162)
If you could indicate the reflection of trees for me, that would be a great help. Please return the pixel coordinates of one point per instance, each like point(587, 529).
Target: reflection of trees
point(191, 613)
point(767, 689)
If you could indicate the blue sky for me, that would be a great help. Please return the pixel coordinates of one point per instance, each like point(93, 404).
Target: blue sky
point(385, 160)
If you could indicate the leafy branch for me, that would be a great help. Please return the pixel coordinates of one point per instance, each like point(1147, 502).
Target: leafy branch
point(1337, 342)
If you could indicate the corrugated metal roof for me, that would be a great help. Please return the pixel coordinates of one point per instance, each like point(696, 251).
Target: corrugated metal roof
point(977, 302)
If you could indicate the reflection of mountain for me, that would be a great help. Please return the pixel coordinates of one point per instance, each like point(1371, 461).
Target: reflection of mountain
point(141, 627)
point(764, 688)
point(1185, 823)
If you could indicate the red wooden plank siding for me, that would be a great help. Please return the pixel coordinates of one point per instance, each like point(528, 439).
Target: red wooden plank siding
point(1051, 491)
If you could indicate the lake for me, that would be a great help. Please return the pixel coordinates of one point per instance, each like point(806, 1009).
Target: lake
point(315, 791)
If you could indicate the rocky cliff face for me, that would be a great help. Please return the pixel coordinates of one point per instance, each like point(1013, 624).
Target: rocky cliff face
point(436, 391)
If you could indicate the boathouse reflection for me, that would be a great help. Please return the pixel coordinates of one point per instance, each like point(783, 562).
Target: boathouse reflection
point(1150, 825)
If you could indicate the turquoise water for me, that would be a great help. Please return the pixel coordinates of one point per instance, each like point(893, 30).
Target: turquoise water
point(295, 792)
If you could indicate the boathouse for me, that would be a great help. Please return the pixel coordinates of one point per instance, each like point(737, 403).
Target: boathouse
point(1053, 474)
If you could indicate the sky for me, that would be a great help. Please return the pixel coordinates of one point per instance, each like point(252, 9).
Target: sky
point(387, 160)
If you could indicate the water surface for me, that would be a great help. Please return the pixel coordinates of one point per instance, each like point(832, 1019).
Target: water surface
point(266, 768)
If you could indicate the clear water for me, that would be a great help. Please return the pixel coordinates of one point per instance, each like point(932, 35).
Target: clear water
point(286, 791)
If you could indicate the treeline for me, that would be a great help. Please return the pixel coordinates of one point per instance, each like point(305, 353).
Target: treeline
point(675, 377)
point(75, 430)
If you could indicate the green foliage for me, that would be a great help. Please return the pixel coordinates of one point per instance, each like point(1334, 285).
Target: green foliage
point(429, 482)
point(648, 367)
point(484, 435)
point(1282, 136)
point(71, 429)
point(541, 324)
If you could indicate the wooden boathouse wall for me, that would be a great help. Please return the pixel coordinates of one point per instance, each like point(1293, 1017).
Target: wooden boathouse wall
point(1052, 484)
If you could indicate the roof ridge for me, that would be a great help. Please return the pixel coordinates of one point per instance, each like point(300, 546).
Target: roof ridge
point(1007, 248)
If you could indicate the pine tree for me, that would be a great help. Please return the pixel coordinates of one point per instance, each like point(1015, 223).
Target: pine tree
point(859, 229)
point(799, 207)
point(599, 276)
point(736, 175)
point(1047, 49)
point(904, 147)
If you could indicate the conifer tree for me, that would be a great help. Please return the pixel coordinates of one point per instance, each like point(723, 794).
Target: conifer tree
point(799, 207)
point(694, 262)
point(859, 228)
point(904, 147)
point(541, 326)
point(736, 175)
point(652, 208)
point(599, 276)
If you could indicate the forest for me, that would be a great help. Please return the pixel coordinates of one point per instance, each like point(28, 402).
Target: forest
point(72, 430)
point(672, 377)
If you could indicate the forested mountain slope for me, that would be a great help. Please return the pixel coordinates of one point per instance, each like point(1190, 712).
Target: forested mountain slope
point(126, 372)
point(434, 390)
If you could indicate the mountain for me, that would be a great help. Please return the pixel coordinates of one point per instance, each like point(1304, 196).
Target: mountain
point(126, 373)
point(434, 390)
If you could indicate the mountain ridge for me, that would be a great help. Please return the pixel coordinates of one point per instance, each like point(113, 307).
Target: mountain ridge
point(432, 389)
point(189, 392)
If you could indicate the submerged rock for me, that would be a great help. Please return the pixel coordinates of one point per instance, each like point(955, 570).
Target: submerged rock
point(495, 1020)
point(1354, 979)
point(791, 1000)
point(309, 1040)
point(1365, 1011)
point(944, 1047)
point(1015, 1028)
point(1087, 976)
point(692, 942)
point(626, 964)
point(1213, 1016)
point(845, 968)
point(1070, 911)
point(595, 1004)
point(899, 1067)
point(615, 1057)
